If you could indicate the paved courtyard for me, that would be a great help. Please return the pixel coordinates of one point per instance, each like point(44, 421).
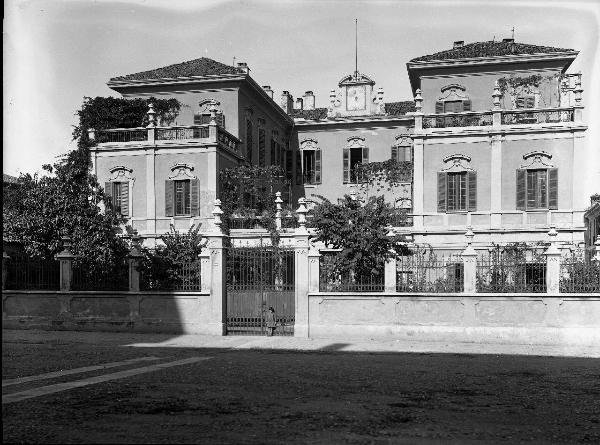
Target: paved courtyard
point(77, 387)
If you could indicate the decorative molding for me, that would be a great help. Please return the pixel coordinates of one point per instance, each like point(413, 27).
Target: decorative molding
point(356, 142)
point(182, 171)
point(458, 163)
point(309, 144)
point(205, 104)
point(261, 121)
point(403, 140)
point(120, 173)
point(453, 93)
point(536, 160)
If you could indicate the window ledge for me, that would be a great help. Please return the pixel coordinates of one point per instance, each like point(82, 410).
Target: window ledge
point(310, 186)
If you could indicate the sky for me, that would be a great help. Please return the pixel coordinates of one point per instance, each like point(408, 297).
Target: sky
point(56, 52)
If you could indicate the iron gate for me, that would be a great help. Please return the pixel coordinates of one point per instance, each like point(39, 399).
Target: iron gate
point(259, 278)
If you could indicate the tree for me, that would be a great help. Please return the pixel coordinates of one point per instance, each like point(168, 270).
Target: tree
point(360, 230)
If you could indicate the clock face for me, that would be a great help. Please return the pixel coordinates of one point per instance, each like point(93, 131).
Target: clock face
point(356, 98)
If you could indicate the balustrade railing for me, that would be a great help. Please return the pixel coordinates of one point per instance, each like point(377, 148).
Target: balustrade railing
point(120, 135)
point(537, 116)
point(181, 133)
point(467, 119)
point(228, 140)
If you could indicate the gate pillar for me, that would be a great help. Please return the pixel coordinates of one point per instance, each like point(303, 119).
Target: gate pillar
point(218, 282)
point(301, 280)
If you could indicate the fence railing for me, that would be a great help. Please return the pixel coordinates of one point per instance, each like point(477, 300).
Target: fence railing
point(93, 277)
point(509, 272)
point(332, 280)
point(117, 135)
point(423, 271)
point(184, 276)
point(537, 116)
point(228, 140)
point(579, 274)
point(26, 273)
point(181, 132)
point(467, 119)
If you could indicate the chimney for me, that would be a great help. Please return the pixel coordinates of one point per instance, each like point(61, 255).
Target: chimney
point(458, 44)
point(268, 90)
point(299, 103)
point(287, 102)
point(380, 94)
point(309, 100)
point(508, 40)
point(243, 67)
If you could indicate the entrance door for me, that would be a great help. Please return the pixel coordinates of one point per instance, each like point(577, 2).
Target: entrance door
point(259, 278)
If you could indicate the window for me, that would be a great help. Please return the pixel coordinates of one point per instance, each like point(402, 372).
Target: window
point(457, 191)
point(204, 119)
point(401, 153)
point(249, 140)
point(525, 102)
point(182, 197)
point(311, 166)
point(452, 106)
point(537, 189)
point(352, 157)
point(261, 147)
point(119, 194)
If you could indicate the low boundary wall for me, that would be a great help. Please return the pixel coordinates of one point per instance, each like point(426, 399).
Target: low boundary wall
point(168, 312)
point(490, 318)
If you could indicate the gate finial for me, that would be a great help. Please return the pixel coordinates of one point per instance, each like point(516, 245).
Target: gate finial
point(302, 211)
point(217, 212)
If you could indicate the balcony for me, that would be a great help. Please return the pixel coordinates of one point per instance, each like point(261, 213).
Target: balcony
point(119, 138)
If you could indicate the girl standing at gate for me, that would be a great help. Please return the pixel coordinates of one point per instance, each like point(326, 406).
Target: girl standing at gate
point(271, 321)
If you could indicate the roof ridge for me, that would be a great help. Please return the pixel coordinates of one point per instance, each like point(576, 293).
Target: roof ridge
point(201, 66)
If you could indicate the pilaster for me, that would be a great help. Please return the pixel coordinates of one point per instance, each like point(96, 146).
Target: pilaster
point(469, 257)
point(496, 181)
point(218, 279)
point(66, 264)
point(552, 264)
point(301, 247)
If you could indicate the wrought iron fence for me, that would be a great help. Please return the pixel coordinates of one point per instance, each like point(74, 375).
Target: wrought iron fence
point(105, 275)
point(332, 279)
point(122, 135)
point(27, 273)
point(246, 222)
point(424, 271)
point(228, 140)
point(289, 221)
point(179, 133)
point(537, 116)
point(182, 276)
point(511, 270)
point(458, 120)
point(579, 274)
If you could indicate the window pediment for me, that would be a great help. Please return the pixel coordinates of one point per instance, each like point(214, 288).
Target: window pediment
point(121, 173)
point(453, 92)
point(356, 142)
point(309, 144)
point(537, 159)
point(182, 171)
point(457, 163)
point(403, 140)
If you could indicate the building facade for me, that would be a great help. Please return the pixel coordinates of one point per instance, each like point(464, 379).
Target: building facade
point(495, 137)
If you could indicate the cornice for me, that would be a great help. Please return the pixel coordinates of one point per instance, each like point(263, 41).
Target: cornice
point(343, 121)
point(118, 84)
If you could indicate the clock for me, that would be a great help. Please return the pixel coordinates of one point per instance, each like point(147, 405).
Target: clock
point(356, 98)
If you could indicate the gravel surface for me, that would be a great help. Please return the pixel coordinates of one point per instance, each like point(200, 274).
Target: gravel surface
point(287, 396)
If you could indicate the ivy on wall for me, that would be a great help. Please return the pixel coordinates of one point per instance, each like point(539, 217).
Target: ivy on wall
point(546, 87)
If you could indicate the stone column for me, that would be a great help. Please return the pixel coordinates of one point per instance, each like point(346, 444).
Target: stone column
point(151, 127)
point(418, 181)
point(552, 263)
point(302, 279)
point(135, 257)
point(5, 260)
point(496, 111)
point(469, 257)
point(218, 289)
point(278, 202)
point(66, 264)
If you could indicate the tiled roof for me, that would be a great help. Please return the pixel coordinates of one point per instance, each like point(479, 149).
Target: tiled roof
point(399, 108)
point(316, 114)
point(196, 67)
point(489, 49)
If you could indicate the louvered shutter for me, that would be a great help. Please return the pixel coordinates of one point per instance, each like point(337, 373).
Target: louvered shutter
point(125, 198)
point(408, 154)
point(472, 185)
point(272, 152)
point(530, 102)
point(108, 189)
point(288, 164)
point(553, 188)
point(195, 197)
point(395, 156)
point(168, 198)
point(521, 188)
point(365, 155)
point(466, 105)
point(261, 147)
point(520, 102)
point(439, 107)
point(346, 165)
point(441, 192)
point(298, 167)
point(318, 166)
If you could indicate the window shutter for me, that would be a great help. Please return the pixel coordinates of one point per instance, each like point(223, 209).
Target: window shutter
point(521, 188)
point(168, 198)
point(472, 186)
point(520, 102)
point(553, 188)
point(195, 197)
point(318, 166)
point(466, 105)
point(365, 155)
point(288, 164)
point(346, 165)
point(125, 198)
point(530, 102)
point(261, 147)
point(408, 153)
point(441, 192)
point(395, 156)
point(439, 107)
point(298, 167)
point(272, 151)
point(108, 189)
